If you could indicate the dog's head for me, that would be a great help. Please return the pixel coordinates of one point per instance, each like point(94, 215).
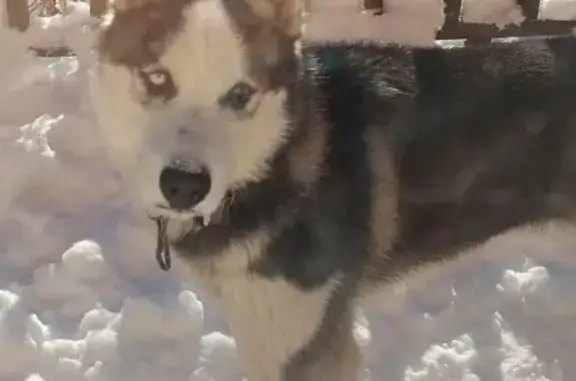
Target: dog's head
point(190, 95)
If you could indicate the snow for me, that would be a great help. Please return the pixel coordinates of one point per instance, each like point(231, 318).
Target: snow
point(445, 362)
point(499, 12)
point(412, 22)
point(81, 297)
point(33, 136)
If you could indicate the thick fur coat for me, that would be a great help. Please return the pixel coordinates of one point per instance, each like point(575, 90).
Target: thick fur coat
point(357, 164)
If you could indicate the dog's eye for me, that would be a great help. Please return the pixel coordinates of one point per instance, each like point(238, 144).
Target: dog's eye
point(238, 97)
point(158, 78)
point(158, 83)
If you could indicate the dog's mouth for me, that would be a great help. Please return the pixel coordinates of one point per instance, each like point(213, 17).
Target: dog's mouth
point(172, 224)
point(166, 213)
point(190, 221)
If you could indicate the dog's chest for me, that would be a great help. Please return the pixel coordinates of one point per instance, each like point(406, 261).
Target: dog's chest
point(230, 264)
point(271, 318)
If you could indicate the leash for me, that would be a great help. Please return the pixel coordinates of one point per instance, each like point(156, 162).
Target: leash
point(162, 245)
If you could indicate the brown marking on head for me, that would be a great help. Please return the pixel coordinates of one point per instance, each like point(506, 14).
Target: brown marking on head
point(141, 30)
point(269, 30)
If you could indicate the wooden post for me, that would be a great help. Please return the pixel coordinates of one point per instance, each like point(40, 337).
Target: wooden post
point(98, 7)
point(452, 11)
point(531, 8)
point(18, 14)
point(376, 6)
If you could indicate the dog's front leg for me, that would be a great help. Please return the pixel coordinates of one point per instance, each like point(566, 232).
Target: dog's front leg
point(284, 333)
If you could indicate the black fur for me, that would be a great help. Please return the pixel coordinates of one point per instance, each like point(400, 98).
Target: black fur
point(482, 140)
point(501, 116)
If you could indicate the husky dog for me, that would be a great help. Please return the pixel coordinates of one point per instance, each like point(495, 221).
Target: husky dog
point(293, 178)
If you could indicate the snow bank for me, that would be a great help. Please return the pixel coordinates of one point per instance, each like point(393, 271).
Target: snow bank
point(407, 21)
point(56, 328)
point(506, 12)
point(557, 9)
point(499, 12)
point(81, 297)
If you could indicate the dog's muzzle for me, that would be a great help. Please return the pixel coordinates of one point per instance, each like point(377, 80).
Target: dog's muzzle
point(196, 197)
point(182, 188)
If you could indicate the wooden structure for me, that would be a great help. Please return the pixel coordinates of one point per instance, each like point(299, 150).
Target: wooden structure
point(18, 14)
point(455, 28)
point(18, 11)
point(358, 19)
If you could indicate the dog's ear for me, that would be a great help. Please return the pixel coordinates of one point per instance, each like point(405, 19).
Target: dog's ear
point(285, 15)
point(270, 29)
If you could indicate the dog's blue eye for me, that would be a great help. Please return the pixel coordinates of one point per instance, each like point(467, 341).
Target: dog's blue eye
point(158, 83)
point(238, 97)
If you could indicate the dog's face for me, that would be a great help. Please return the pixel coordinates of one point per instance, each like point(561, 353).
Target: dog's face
point(189, 95)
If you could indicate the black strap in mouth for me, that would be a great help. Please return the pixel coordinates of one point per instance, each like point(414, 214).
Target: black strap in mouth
point(162, 246)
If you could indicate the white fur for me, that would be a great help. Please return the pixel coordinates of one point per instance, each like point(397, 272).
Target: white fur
point(205, 58)
point(269, 318)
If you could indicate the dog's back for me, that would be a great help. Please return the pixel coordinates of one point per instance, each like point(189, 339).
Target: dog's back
point(477, 140)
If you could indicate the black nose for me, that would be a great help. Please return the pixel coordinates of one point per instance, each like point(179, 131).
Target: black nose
point(183, 189)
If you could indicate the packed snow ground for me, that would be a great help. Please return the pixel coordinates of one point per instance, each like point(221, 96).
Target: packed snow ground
point(103, 311)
